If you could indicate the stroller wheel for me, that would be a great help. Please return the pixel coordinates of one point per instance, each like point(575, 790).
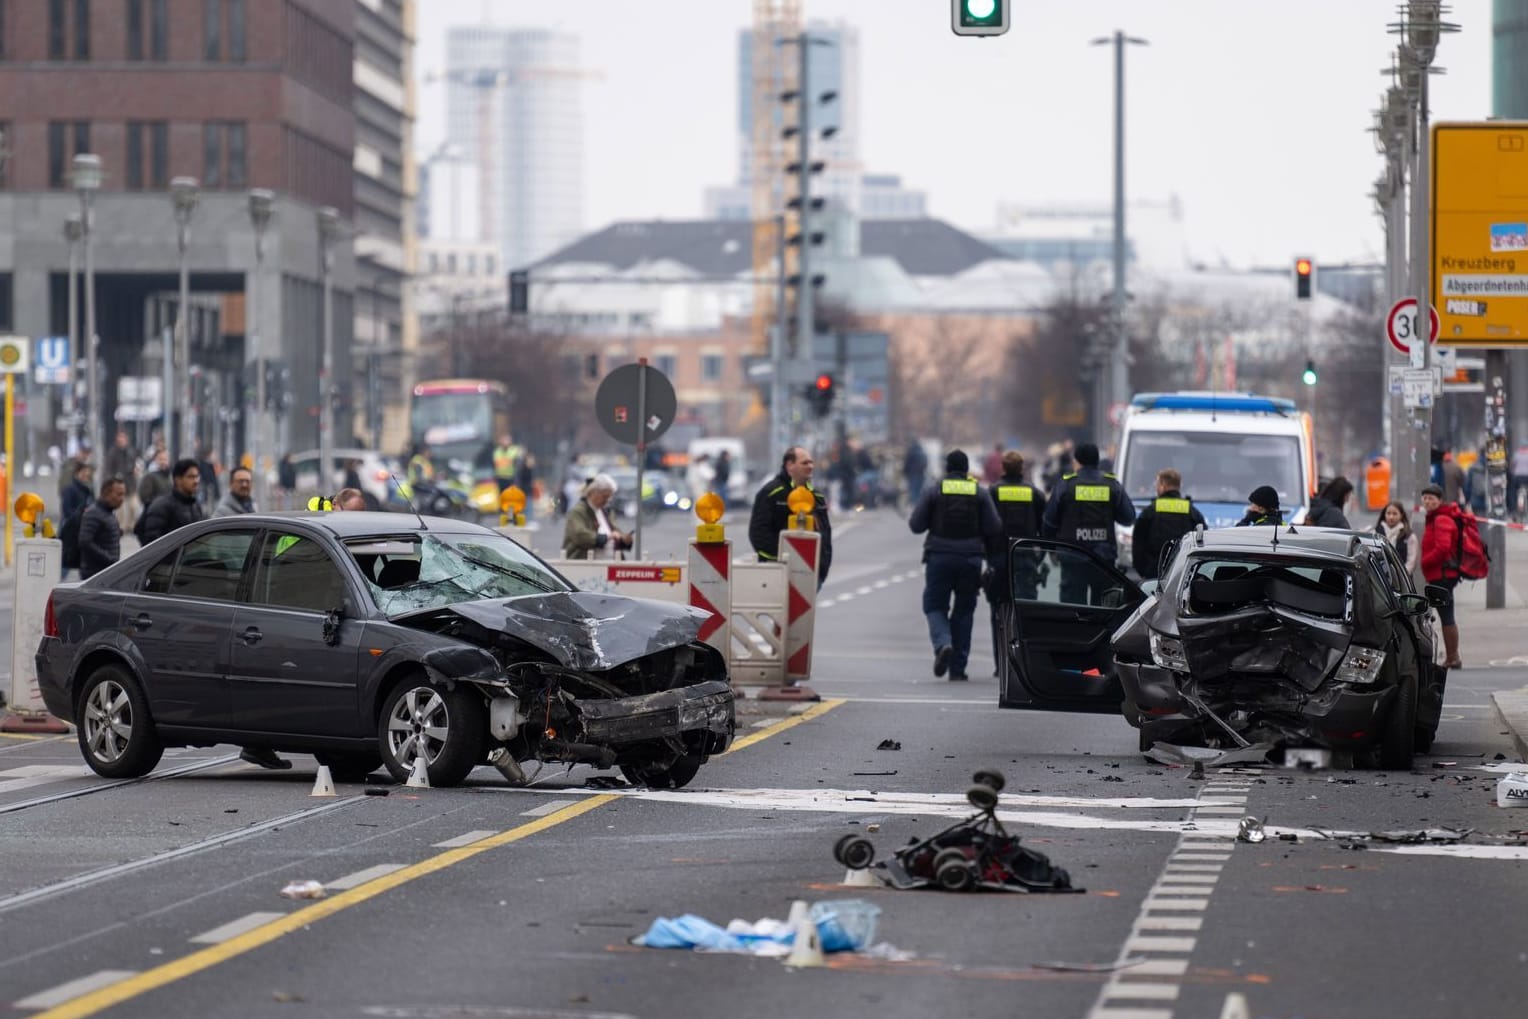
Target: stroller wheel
point(839, 846)
point(988, 777)
point(954, 871)
point(858, 853)
point(982, 797)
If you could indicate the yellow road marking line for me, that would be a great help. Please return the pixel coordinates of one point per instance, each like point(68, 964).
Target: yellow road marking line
point(206, 958)
point(815, 711)
point(149, 980)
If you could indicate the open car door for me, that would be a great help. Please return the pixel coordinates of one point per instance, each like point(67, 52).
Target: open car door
point(1065, 605)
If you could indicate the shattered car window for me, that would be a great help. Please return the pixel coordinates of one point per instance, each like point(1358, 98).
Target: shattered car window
point(1225, 585)
point(434, 570)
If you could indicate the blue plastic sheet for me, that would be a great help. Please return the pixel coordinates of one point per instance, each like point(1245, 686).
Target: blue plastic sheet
point(844, 925)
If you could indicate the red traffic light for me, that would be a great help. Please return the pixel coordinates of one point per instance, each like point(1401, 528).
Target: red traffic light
point(1302, 267)
point(824, 382)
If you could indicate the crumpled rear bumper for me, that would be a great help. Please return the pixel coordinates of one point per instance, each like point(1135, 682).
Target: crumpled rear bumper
point(702, 715)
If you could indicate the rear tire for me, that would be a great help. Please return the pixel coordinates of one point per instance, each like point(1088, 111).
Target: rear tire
point(115, 732)
point(1400, 728)
point(449, 726)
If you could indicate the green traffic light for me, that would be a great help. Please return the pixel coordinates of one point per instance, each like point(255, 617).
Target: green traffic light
point(1308, 376)
point(980, 10)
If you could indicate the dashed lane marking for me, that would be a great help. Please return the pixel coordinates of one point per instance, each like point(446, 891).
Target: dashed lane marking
point(462, 840)
point(547, 808)
point(74, 988)
point(234, 928)
point(360, 877)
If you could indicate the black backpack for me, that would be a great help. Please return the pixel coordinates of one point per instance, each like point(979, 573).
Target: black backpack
point(69, 537)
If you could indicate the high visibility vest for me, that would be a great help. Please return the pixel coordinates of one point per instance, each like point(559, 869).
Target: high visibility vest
point(504, 461)
point(1016, 508)
point(956, 513)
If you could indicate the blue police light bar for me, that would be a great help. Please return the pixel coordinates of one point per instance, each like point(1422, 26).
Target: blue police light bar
point(1224, 403)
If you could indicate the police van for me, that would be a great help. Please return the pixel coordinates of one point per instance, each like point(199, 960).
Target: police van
point(1224, 445)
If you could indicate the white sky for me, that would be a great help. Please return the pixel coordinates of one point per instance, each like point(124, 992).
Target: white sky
point(1255, 113)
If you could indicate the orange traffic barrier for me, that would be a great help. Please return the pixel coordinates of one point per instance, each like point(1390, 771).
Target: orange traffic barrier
point(1377, 483)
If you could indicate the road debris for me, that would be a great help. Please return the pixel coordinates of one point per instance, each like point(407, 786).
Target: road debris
point(842, 925)
point(304, 890)
point(888, 744)
point(1250, 830)
point(1512, 790)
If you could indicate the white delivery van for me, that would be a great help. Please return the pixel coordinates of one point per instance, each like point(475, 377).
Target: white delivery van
point(1224, 445)
point(738, 481)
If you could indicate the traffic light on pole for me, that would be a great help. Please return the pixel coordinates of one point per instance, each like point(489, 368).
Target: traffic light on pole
point(979, 17)
point(820, 396)
point(519, 292)
point(1308, 376)
point(1305, 278)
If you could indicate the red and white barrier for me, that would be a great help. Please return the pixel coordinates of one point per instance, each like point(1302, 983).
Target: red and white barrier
point(799, 551)
point(711, 589)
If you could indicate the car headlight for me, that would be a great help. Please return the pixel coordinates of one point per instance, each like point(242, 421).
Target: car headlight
point(1360, 665)
point(670, 498)
point(1167, 652)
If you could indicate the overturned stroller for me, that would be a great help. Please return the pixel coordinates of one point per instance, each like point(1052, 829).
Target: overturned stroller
point(975, 853)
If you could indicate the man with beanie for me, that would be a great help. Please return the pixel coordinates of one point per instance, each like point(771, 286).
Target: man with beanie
point(1262, 507)
point(1082, 511)
point(960, 521)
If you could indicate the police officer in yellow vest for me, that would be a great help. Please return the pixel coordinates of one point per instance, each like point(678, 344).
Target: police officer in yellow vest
point(961, 522)
point(1083, 511)
point(506, 460)
point(1169, 517)
point(1021, 508)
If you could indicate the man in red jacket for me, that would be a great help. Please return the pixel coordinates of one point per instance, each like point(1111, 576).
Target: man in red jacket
point(1440, 561)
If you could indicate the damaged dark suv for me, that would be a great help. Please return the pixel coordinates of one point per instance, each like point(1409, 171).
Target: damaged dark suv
point(372, 639)
point(1284, 637)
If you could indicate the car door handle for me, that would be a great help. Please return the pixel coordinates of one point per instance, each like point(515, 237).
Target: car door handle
point(251, 635)
point(142, 621)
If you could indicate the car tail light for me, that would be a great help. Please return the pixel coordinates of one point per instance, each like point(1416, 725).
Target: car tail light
point(1167, 652)
point(1360, 665)
point(49, 622)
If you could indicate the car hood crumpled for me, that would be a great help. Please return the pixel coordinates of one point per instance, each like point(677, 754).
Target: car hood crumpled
point(579, 629)
point(1265, 638)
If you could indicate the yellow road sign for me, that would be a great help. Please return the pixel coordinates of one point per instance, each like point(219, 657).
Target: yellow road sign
point(13, 354)
point(1480, 233)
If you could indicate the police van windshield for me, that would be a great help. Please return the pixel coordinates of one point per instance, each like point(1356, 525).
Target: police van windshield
point(1216, 466)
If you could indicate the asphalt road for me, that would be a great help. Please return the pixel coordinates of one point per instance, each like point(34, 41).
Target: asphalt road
point(161, 897)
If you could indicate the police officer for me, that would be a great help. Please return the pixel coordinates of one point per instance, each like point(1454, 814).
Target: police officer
point(1021, 508)
point(772, 514)
point(961, 522)
point(1262, 508)
point(1083, 511)
point(1169, 517)
point(506, 461)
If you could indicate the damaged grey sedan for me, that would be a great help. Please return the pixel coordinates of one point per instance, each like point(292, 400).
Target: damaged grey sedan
point(371, 640)
point(1287, 637)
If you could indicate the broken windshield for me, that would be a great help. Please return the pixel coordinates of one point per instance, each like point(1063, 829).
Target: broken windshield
point(434, 570)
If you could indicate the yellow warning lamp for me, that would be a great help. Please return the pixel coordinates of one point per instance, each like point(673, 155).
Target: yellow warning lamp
point(512, 502)
point(29, 507)
point(802, 502)
point(709, 509)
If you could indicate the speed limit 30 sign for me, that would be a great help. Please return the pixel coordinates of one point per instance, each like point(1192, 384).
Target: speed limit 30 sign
point(1400, 322)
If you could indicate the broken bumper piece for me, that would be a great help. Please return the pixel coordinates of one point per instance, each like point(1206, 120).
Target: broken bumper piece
point(703, 712)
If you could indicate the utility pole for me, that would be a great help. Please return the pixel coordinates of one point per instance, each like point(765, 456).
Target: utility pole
point(1118, 386)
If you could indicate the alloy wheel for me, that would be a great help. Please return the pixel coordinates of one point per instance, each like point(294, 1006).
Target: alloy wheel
point(108, 721)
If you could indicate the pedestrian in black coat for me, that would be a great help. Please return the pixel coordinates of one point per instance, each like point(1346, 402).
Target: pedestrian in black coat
point(100, 533)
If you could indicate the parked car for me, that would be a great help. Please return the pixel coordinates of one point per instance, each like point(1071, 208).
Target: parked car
point(1295, 637)
point(370, 639)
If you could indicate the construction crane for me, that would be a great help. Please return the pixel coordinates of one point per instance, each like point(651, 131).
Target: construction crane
point(774, 73)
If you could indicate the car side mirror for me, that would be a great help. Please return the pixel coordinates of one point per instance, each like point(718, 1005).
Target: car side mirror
point(1415, 604)
point(1111, 598)
point(1439, 597)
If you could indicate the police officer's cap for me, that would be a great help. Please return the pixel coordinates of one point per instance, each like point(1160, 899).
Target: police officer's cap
point(1265, 496)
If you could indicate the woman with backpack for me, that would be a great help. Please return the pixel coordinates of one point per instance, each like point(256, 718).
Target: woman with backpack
point(1440, 562)
point(1394, 528)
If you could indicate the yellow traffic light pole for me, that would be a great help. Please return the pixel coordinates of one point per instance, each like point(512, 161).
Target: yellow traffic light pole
point(10, 457)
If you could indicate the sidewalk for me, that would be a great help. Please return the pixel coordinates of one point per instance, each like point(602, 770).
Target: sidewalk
point(1498, 638)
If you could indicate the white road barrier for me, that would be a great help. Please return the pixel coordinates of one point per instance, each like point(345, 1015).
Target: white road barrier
point(38, 562)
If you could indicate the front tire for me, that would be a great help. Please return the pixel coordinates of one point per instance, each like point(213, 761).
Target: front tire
point(675, 776)
point(449, 727)
point(116, 734)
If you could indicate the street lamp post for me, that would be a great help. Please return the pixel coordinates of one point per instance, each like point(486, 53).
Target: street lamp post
point(74, 230)
point(182, 441)
point(87, 181)
point(328, 232)
point(1118, 387)
point(262, 204)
